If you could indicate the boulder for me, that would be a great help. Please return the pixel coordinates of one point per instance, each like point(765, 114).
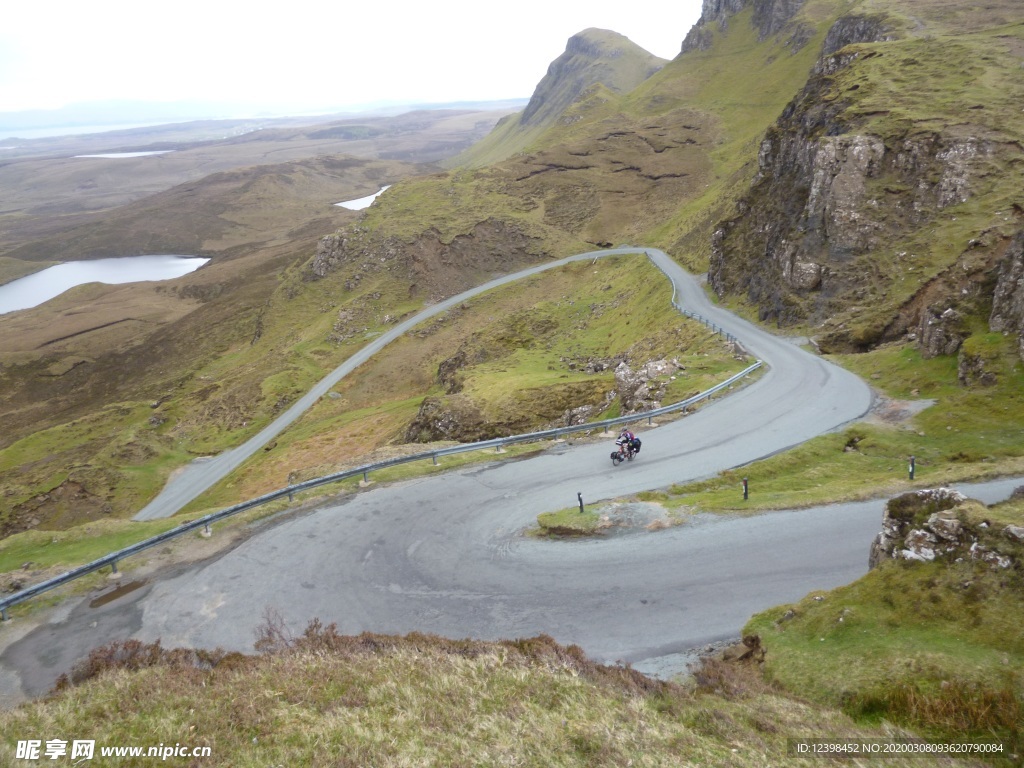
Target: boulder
point(941, 332)
point(986, 555)
point(946, 525)
point(974, 369)
point(919, 545)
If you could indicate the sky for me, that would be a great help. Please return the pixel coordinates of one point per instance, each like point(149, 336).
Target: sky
point(303, 55)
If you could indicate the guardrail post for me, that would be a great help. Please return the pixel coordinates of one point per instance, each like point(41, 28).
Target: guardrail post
point(366, 476)
point(3, 614)
point(435, 459)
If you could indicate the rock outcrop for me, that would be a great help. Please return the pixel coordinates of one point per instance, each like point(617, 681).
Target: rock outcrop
point(439, 268)
point(451, 418)
point(975, 368)
point(1008, 300)
point(925, 525)
point(639, 390)
point(941, 332)
point(714, 13)
point(769, 17)
point(819, 202)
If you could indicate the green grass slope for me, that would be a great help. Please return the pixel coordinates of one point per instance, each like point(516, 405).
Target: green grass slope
point(933, 646)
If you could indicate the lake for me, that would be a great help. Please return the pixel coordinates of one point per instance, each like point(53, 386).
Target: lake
point(362, 202)
point(129, 154)
point(33, 290)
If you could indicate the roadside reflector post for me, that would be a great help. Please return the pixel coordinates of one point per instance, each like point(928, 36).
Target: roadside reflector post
point(579, 495)
point(911, 468)
point(746, 490)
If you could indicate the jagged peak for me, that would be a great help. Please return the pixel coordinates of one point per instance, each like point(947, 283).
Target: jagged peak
point(769, 17)
point(591, 56)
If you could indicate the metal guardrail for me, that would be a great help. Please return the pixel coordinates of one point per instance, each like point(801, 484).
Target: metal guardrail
point(113, 558)
point(692, 315)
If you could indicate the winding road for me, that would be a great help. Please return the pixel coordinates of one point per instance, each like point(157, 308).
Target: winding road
point(445, 554)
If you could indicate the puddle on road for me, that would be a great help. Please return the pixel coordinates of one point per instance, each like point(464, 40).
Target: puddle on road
point(113, 594)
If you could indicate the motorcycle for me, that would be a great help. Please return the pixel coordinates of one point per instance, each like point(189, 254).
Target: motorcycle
point(626, 452)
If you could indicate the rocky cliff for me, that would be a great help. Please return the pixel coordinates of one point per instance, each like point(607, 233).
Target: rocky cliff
point(769, 17)
point(838, 229)
point(1008, 297)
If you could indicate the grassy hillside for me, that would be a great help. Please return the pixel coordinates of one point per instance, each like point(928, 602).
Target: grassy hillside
point(323, 699)
point(663, 163)
point(933, 646)
point(513, 360)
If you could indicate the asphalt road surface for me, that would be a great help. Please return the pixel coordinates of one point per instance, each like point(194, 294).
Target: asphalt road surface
point(447, 554)
point(206, 472)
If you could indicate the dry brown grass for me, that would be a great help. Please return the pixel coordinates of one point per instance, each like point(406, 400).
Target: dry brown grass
point(319, 698)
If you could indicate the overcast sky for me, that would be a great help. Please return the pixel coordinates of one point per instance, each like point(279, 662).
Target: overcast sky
point(305, 54)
